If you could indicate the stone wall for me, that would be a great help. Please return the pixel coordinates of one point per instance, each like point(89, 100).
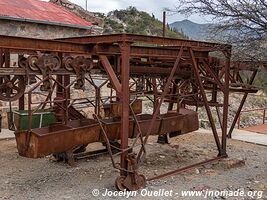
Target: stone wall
point(42, 31)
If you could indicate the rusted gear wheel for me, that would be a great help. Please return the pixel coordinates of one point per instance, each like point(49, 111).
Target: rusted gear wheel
point(119, 183)
point(67, 63)
point(22, 62)
point(11, 87)
point(32, 61)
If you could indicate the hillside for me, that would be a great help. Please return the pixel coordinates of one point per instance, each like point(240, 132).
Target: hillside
point(131, 20)
point(191, 29)
point(128, 20)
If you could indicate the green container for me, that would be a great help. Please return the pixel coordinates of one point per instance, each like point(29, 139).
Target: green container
point(41, 118)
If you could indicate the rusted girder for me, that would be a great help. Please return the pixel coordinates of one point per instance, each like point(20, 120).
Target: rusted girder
point(19, 43)
point(116, 38)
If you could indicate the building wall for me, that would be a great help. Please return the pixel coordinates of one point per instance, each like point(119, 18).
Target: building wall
point(42, 31)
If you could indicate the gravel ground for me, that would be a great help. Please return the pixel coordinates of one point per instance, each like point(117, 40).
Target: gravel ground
point(245, 169)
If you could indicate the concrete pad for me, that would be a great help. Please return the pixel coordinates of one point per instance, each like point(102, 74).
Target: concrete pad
point(241, 135)
point(248, 136)
point(6, 134)
point(258, 129)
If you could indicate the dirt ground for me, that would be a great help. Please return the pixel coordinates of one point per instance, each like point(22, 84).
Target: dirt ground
point(245, 169)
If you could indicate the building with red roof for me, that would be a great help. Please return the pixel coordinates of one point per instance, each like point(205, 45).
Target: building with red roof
point(40, 19)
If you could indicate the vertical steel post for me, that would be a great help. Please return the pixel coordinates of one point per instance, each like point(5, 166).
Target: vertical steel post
point(21, 99)
point(155, 91)
point(264, 114)
point(97, 101)
point(59, 92)
point(1, 62)
point(125, 99)
point(226, 102)
point(1, 57)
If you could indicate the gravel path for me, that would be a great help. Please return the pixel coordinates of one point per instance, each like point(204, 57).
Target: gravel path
point(245, 169)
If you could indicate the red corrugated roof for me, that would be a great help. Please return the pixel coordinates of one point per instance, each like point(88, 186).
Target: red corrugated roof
point(40, 11)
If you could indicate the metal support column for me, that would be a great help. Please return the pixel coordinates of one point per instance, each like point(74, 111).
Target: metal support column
point(225, 102)
point(125, 99)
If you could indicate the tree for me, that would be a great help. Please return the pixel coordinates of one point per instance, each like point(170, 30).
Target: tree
point(242, 23)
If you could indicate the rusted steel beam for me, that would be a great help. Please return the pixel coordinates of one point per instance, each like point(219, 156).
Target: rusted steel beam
point(219, 114)
point(115, 38)
point(115, 82)
point(141, 51)
point(184, 169)
point(19, 44)
point(152, 71)
point(205, 100)
point(233, 89)
point(41, 45)
point(219, 83)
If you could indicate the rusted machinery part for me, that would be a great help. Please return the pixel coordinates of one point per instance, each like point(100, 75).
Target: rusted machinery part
point(51, 61)
point(132, 182)
point(67, 157)
point(63, 156)
point(82, 63)
point(67, 63)
point(12, 87)
point(44, 62)
point(22, 62)
point(119, 183)
point(77, 64)
point(32, 60)
point(81, 153)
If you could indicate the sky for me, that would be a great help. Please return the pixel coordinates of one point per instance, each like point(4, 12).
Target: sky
point(151, 6)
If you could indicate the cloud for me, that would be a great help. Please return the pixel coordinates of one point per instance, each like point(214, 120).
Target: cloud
point(151, 6)
point(103, 6)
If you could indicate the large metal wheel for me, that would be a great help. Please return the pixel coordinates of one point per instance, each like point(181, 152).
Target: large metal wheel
point(11, 87)
point(119, 183)
point(67, 61)
point(32, 62)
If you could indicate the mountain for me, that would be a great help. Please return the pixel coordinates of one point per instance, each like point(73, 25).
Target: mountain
point(192, 30)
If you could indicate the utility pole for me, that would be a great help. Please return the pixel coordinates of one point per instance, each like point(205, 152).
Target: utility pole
point(86, 5)
point(164, 24)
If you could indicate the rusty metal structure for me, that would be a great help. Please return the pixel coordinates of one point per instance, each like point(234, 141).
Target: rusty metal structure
point(179, 75)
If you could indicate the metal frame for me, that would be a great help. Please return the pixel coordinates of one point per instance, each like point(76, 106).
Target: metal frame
point(120, 57)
